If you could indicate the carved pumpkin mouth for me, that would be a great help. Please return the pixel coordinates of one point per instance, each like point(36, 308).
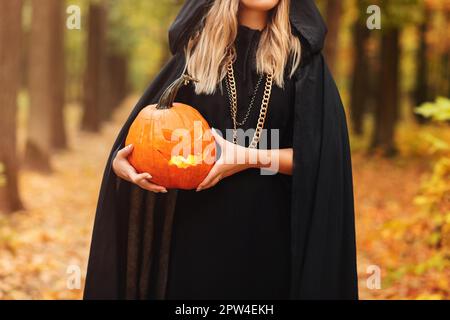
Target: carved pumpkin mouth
point(183, 163)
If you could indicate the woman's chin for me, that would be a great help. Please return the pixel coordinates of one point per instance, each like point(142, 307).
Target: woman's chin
point(260, 5)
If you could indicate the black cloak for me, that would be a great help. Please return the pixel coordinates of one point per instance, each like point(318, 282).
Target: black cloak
point(131, 239)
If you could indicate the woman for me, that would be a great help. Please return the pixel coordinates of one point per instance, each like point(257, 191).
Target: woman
point(241, 234)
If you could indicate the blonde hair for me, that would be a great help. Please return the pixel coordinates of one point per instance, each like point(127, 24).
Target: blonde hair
point(209, 50)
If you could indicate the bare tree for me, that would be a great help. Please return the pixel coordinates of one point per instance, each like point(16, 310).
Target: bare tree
point(59, 139)
point(46, 84)
point(360, 87)
point(10, 48)
point(94, 81)
point(117, 82)
point(333, 14)
point(387, 107)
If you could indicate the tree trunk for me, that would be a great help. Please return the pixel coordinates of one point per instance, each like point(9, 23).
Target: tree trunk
point(387, 108)
point(445, 74)
point(122, 82)
point(59, 131)
point(118, 68)
point(94, 80)
point(360, 88)
point(10, 48)
point(421, 93)
point(46, 84)
point(333, 14)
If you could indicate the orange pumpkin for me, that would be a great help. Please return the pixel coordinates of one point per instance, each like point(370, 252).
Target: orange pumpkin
point(172, 142)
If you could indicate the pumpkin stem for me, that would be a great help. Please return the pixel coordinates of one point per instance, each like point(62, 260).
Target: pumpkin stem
point(169, 95)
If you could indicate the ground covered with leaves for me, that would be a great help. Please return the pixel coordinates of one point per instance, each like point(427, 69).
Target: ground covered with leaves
point(40, 245)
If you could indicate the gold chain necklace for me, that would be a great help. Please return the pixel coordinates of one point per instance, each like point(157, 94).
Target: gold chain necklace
point(250, 106)
point(233, 105)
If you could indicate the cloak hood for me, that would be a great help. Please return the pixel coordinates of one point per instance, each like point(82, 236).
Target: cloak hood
point(306, 22)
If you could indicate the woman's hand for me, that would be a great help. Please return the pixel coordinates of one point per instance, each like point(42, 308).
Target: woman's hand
point(233, 159)
point(125, 170)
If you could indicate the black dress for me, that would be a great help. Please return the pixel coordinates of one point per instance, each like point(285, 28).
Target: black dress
point(233, 241)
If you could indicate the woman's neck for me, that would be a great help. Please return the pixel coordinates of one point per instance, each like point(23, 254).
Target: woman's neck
point(253, 19)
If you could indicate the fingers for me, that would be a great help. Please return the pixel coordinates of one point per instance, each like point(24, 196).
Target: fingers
point(125, 152)
point(219, 139)
point(210, 184)
point(211, 175)
point(137, 178)
point(123, 168)
point(146, 185)
point(142, 180)
point(210, 181)
point(230, 152)
point(127, 172)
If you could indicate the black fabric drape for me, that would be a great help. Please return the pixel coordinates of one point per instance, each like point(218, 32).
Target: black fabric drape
point(129, 250)
point(107, 275)
point(322, 220)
